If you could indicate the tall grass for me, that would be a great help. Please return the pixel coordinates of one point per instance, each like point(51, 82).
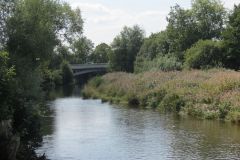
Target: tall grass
point(211, 94)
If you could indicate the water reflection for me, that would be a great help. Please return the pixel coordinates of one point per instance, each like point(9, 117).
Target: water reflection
point(90, 130)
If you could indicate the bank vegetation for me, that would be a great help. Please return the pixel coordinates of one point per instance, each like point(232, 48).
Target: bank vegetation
point(210, 94)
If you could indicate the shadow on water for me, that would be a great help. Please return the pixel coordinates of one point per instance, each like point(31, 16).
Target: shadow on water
point(59, 92)
point(65, 91)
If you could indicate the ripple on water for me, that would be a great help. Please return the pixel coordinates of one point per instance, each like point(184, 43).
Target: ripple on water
point(89, 130)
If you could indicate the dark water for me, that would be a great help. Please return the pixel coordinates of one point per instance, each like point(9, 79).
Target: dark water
point(89, 130)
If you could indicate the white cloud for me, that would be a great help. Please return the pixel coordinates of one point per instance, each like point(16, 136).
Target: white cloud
point(103, 23)
point(230, 3)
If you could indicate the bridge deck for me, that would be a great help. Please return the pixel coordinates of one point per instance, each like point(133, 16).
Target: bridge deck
point(88, 66)
point(80, 69)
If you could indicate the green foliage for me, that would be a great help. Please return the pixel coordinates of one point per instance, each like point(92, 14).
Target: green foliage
point(161, 62)
point(30, 31)
point(211, 94)
point(224, 110)
point(181, 30)
point(154, 45)
point(125, 48)
point(205, 20)
point(6, 87)
point(82, 49)
point(204, 54)
point(38, 26)
point(67, 74)
point(50, 78)
point(210, 16)
point(26, 121)
point(171, 103)
point(96, 81)
point(232, 39)
point(101, 53)
point(166, 50)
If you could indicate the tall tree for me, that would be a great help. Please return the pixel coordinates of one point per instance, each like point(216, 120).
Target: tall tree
point(205, 20)
point(154, 45)
point(210, 16)
point(34, 29)
point(125, 48)
point(82, 49)
point(232, 39)
point(181, 30)
point(38, 26)
point(101, 53)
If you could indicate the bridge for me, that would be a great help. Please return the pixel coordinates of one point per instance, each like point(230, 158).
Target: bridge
point(81, 69)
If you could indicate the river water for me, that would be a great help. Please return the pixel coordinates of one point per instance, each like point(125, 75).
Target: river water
point(90, 130)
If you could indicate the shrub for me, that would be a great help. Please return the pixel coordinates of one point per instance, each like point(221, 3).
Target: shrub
point(223, 110)
point(204, 54)
point(162, 62)
point(172, 103)
point(96, 81)
point(133, 101)
point(155, 98)
point(211, 94)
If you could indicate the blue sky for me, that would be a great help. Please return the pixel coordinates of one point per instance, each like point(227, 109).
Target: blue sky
point(104, 19)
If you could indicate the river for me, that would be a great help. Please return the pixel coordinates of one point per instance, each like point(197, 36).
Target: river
point(90, 130)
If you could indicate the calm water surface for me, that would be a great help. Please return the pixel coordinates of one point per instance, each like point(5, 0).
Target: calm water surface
point(90, 130)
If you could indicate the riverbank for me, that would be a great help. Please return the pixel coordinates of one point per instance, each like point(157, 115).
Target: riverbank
point(212, 94)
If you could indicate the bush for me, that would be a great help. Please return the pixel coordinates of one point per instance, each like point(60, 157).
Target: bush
point(172, 103)
point(162, 62)
point(204, 54)
point(223, 110)
point(96, 81)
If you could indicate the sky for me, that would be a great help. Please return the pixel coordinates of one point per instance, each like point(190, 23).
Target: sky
point(104, 19)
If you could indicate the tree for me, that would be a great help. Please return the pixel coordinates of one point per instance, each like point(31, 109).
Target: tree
point(154, 45)
point(101, 53)
point(210, 16)
point(125, 48)
point(232, 39)
point(34, 30)
point(205, 20)
point(82, 49)
point(181, 30)
point(38, 26)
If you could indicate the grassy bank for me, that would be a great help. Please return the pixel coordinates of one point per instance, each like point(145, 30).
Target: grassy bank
point(212, 94)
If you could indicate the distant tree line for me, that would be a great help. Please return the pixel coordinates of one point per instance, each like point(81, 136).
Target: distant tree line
point(202, 37)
